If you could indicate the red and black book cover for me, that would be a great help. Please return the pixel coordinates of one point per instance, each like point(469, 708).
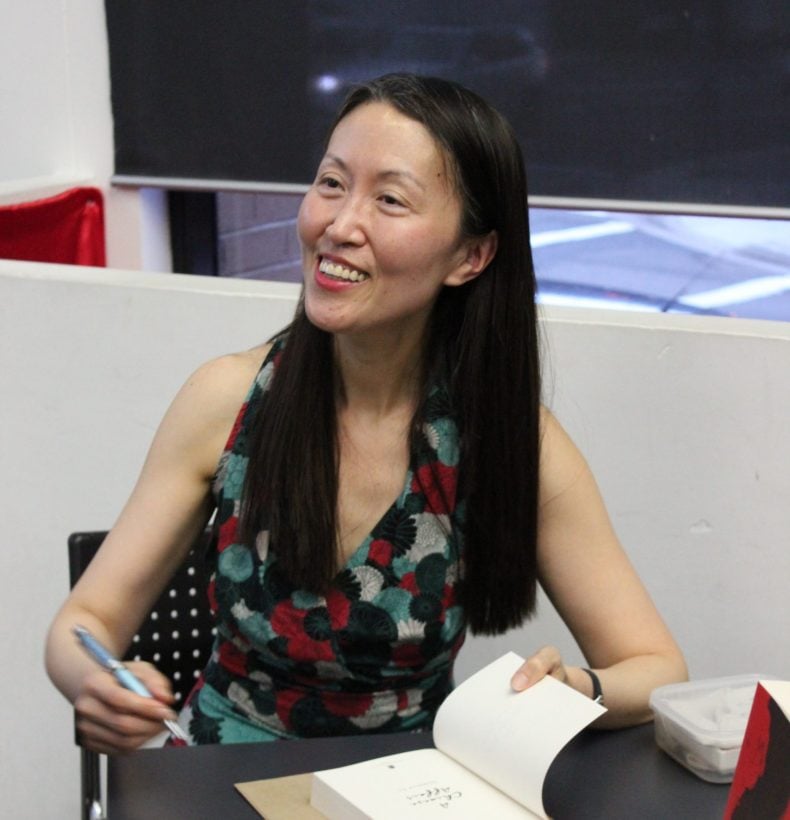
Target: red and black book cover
point(761, 785)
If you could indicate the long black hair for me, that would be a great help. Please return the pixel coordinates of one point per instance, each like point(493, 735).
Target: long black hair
point(482, 344)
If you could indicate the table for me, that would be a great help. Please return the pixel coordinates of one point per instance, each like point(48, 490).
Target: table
point(600, 775)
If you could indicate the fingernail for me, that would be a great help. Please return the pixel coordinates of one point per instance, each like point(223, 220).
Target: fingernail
point(520, 681)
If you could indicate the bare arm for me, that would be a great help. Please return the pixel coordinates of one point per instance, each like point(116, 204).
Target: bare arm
point(168, 508)
point(589, 579)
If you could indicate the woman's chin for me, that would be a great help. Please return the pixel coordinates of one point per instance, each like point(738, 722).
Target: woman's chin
point(328, 320)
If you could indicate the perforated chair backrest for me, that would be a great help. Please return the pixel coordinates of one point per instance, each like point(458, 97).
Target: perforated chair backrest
point(177, 635)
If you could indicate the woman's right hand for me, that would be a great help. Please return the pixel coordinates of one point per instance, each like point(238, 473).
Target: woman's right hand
point(113, 720)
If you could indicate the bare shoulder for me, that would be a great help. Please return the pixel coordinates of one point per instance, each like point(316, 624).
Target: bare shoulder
point(223, 382)
point(202, 414)
point(561, 462)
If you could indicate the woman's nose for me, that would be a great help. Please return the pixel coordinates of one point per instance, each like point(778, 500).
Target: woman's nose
point(347, 224)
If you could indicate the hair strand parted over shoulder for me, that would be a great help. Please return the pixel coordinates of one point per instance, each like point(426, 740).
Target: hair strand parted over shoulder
point(482, 344)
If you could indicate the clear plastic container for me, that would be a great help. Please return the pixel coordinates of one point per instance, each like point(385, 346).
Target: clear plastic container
point(701, 724)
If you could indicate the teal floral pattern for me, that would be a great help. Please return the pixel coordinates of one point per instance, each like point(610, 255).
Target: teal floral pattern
point(375, 653)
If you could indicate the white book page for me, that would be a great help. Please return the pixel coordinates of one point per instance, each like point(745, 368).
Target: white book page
point(779, 690)
point(510, 738)
point(420, 784)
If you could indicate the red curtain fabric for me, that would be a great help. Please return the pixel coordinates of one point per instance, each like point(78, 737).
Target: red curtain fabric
point(67, 228)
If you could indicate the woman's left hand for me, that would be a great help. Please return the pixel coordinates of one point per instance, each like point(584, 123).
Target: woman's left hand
point(546, 661)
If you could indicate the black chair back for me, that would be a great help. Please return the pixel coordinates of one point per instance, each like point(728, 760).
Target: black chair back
point(176, 637)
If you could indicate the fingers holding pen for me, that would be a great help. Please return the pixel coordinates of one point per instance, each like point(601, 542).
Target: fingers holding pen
point(120, 706)
point(112, 719)
point(154, 681)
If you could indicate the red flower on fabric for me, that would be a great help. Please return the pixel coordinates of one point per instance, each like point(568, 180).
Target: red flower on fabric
point(338, 607)
point(227, 533)
point(438, 484)
point(284, 702)
point(407, 655)
point(409, 583)
point(237, 425)
point(288, 622)
point(232, 659)
point(448, 598)
point(381, 552)
point(346, 704)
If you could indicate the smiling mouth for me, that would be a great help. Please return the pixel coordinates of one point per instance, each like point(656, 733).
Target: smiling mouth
point(334, 270)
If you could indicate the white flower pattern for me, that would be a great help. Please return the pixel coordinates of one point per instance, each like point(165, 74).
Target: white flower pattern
point(370, 581)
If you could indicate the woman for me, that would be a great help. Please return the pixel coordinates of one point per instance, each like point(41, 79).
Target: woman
point(391, 477)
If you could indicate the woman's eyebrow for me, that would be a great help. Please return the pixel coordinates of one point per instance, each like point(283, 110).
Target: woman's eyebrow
point(386, 174)
point(401, 175)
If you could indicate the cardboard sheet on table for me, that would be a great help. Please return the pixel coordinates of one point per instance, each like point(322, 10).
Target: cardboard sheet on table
point(281, 798)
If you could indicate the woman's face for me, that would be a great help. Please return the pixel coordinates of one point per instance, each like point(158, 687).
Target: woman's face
point(380, 226)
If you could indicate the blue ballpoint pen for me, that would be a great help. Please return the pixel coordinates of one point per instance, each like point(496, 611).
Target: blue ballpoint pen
point(103, 656)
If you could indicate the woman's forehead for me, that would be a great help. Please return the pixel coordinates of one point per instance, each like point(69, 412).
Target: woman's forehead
point(378, 134)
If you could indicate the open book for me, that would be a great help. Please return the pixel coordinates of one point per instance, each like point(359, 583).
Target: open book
point(493, 750)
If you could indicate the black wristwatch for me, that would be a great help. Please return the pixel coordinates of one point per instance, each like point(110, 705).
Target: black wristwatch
point(597, 694)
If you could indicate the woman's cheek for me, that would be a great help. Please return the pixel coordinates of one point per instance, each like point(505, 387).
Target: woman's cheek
point(308, 219)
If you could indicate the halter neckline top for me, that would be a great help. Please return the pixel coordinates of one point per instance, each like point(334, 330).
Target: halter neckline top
point(376, 652)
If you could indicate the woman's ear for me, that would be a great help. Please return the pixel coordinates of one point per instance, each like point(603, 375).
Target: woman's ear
point(477, 254)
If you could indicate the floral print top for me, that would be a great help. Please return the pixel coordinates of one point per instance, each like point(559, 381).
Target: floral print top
point(374, 654)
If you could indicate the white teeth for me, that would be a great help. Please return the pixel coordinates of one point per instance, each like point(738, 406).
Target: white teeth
point(341, 271)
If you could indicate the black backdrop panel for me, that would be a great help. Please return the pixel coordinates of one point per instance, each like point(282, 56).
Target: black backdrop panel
point(209, 90)
point(670, 101)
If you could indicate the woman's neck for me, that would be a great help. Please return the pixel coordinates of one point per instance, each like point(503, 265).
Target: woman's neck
point(380, 374)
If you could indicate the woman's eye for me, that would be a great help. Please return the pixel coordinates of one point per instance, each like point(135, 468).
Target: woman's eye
point(329, 182)
point(388, 199)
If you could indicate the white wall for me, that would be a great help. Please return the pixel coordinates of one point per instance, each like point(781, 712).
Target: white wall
point(682, 418)
point(57, 122)
point(684, 422)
